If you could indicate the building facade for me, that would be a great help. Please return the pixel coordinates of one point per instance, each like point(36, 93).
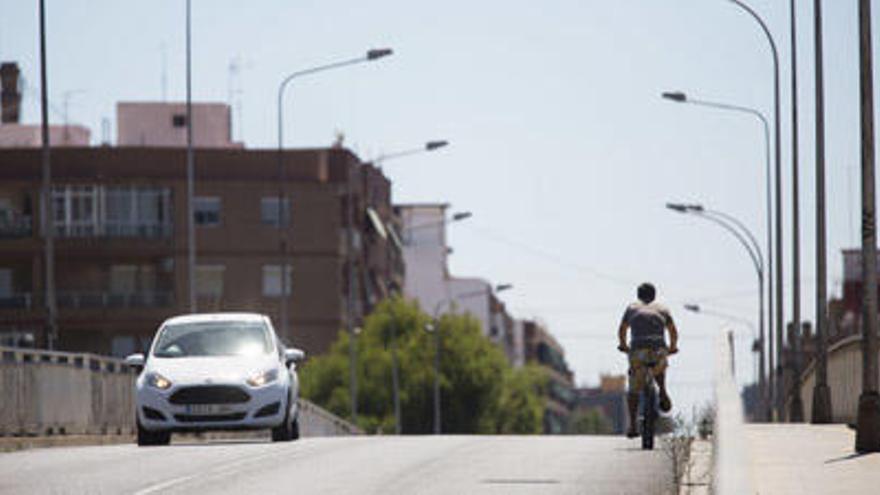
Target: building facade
point(121, 242)
point(609, 399)
point(542, 349)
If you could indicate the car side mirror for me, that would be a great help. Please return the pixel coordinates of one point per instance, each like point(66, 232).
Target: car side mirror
point(135, 360)
point(293, 356)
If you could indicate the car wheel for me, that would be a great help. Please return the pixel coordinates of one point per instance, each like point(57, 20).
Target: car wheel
point(287, 430)
point(294, 430)
point(147, 438)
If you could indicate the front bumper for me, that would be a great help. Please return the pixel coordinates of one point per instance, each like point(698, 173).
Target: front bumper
point(265, 408)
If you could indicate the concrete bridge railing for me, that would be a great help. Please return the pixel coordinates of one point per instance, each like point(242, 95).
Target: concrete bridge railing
point(731, 470)
point(844, 380)
point(52, 393)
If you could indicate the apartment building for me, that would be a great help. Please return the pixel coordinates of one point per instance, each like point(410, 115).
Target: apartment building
point(121, 241)
point(542, 349)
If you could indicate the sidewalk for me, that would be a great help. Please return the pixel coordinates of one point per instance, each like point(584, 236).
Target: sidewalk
point(805, 459)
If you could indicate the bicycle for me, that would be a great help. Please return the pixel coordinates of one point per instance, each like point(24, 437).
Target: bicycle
point(649, 410)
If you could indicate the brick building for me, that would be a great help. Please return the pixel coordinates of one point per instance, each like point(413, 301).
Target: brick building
point(542, 349)
point(121, 243)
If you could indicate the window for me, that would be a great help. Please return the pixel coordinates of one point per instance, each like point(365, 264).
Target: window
point(269, 214)
point(75, 210)
point(117, 211)
point(209, 280)
point(206, 211)
point(178, 120)
point(5, 282)
point(272, 280)
point(123, 279)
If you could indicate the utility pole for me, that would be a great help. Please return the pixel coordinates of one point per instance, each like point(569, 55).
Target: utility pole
point(796, 414)
point(821, 409)
point(190, 168)
point(868, 422)
point(46, 203)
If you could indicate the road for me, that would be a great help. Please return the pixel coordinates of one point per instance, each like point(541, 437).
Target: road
point(362, 465)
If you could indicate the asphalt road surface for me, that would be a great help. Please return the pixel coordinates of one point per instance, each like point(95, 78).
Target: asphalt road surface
point(350, 465)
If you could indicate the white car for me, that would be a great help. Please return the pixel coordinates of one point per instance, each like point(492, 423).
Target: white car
point(221, 371)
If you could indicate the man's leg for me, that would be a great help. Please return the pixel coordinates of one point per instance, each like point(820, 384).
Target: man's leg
point(665, 401)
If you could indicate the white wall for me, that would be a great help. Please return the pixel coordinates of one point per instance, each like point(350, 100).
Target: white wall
point(424, 252)
point(30, 136)
point(151, 124)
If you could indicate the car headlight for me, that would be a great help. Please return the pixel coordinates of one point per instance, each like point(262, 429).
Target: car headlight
point(156, 380)
point(263, 378)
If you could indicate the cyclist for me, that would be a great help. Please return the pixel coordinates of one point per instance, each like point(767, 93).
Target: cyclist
point(648, 321)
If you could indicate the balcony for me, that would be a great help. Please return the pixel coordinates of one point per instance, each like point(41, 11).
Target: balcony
point(111, 300)
point(135, 230)
point(15, 226)
point(91, 300)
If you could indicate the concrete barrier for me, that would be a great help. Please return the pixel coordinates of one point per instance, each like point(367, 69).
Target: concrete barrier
point(731, 470)
point(58, 393)
point(844, 380)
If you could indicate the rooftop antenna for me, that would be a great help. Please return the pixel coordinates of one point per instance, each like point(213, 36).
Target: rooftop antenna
point(105, 131)
point(235, 91)
point(66, 107)
point(163, 51)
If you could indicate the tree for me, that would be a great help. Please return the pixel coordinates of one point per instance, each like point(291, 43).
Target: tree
point(521, 409)
point(591, 421)
point(480, 393)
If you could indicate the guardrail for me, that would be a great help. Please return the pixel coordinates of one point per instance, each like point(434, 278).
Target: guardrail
point(58, 393)
point(731, 469)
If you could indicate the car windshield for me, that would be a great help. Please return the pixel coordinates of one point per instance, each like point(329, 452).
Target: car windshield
point(215, 338)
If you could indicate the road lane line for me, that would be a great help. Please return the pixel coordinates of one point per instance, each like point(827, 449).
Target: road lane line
point(225, 468)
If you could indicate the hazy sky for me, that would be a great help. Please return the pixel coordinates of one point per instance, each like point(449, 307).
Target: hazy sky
point(561, 146)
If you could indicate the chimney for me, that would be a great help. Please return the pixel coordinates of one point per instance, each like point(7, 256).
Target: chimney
point(10, 95)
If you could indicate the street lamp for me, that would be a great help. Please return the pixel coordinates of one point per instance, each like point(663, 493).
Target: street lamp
point(796, 414)
point(821, 410)
point(683, 98)
point(780, 323)
point(46, 200)
point(371, 55)
point(429, 146)
point(696, 308)
point(750, 243)
point(435, 327)
point(395, 368)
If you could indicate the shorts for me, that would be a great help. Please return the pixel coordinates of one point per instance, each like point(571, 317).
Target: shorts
point(638, 361)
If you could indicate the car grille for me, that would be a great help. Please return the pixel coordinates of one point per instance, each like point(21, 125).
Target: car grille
point(209, 394)
point(203, 418)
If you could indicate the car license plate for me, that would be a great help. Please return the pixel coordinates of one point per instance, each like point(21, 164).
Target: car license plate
point(208, 409)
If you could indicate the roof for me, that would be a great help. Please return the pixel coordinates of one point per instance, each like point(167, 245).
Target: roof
point(209, 317)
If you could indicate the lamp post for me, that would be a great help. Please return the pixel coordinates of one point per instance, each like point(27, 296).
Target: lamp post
point(696, 308)
point(282, 217)
point(780, 323)
point(868, 421)
point(46, 203)
point(821, 410)
point(766, 387)
point(796, 414)
point(456, 217)
point(750, 243)
point(190, 170)
point(395, 365)
point(435, 327)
